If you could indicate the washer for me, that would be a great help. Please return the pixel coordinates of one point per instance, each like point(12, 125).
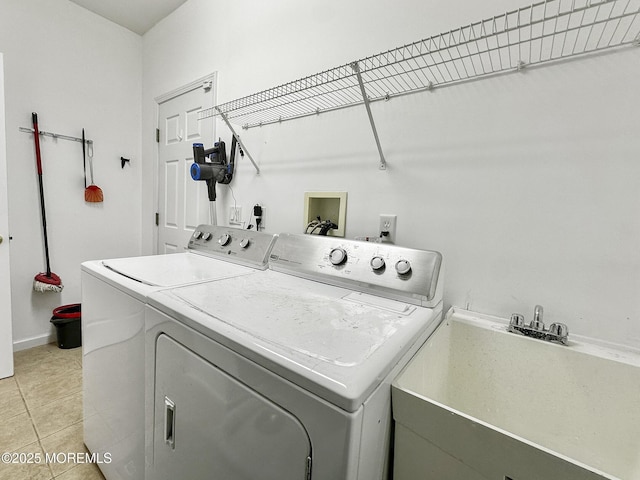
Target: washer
point(286, 374)
point(114, 293)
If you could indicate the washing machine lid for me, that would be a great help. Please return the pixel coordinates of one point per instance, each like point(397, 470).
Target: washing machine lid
point(173, 269)
point(337, 343)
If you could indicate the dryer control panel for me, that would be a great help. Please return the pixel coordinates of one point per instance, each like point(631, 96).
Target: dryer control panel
point(246, 247)
point(406, 274)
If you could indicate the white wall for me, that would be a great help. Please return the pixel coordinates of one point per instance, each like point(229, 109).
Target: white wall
point(75, 70)
point(528, 183)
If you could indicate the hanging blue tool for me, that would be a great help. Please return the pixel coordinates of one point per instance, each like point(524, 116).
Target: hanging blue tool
point(211, 166)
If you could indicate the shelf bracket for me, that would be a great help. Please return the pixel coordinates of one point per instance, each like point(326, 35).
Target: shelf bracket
point(233, 132)
point(356, 68)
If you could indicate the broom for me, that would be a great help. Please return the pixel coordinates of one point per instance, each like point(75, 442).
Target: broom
point(92, 193)
point(45, 281)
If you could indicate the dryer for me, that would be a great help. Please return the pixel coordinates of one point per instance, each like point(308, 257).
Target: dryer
point(114, 293)
point(286, 374)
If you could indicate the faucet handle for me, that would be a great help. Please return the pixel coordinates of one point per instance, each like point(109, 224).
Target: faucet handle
point(517, 320)
point(560, 331)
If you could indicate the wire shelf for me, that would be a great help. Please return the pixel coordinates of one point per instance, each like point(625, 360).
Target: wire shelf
point(543, 32)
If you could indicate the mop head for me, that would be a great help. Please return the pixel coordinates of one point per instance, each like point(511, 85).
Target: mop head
point(47, 283)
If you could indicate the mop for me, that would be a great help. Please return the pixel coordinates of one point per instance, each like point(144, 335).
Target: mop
point(45, 281)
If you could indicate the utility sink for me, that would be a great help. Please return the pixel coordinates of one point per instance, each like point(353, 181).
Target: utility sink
point(480, 403)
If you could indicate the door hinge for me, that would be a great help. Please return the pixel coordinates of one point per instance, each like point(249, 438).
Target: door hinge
point(157, 219)
point(157, 135)
point(308, 476)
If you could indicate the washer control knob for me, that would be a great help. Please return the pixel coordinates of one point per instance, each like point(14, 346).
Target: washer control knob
point(207, 236)
point(338, 256)
point(403, 267)
point(377, 263)
point(224, 239)
point(244, 243)
point(197, 235)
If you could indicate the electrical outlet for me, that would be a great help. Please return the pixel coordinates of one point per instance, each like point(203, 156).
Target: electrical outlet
point(235, 215)
point(388, 228)
point(262, 212)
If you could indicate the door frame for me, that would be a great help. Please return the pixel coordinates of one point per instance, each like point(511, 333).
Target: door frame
point(6, 317)
point(159, 100)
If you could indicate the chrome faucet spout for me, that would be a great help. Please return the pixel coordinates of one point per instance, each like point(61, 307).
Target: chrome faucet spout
point(537, 323)
point(538, 312)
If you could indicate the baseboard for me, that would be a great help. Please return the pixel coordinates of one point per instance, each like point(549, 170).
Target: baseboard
point(33, 342)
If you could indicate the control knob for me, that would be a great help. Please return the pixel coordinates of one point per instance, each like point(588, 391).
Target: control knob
point(338, 256)
point(207, 236)
point(377, 263)
point(403, 267)
point(197, 235)
point(224, 239)
point(244, 243)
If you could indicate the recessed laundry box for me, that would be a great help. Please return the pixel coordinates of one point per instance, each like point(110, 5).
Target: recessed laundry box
point(66, 319)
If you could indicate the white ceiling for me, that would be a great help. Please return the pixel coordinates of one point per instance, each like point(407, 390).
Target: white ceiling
point(136, 15)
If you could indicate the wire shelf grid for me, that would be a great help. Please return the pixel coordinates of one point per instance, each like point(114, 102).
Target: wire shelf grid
point(540, 33)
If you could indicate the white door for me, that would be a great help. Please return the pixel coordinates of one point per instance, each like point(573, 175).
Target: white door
point(6, 341)
point(182, 202)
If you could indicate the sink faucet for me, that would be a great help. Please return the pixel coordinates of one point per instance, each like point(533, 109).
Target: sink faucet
point(558, 332)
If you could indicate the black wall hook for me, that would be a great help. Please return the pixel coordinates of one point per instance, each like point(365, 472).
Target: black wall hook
point(123, 161)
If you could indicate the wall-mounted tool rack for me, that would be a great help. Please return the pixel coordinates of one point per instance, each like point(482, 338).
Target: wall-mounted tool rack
point(57, 136)
point(544, 32)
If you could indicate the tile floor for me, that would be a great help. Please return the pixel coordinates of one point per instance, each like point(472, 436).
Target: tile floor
point(41, 412)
